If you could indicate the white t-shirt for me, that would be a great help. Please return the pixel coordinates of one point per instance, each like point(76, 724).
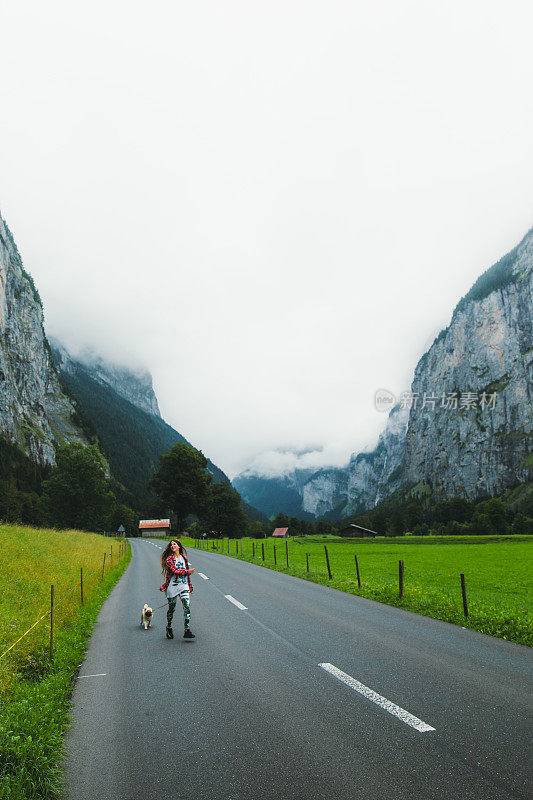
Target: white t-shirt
point(178, 583)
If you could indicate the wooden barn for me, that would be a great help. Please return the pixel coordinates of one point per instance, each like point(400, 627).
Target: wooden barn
point(154, 527)
point(281, 533)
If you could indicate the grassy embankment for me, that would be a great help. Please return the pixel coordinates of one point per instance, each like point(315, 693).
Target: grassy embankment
point(34, 693)
point(497, 571)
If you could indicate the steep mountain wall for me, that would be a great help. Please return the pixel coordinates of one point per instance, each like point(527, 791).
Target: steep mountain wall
point(34, 411)
point(133, 438)
point(273, 494)
point(368, 478)
point(478, 440)
point(465, 427)
point(134, 385)
point(334, 492)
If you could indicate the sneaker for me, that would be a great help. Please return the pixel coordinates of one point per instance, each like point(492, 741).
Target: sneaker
point(170, 633)
point(189, 634)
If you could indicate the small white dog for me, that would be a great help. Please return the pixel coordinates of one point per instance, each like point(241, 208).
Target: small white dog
point(146, 617)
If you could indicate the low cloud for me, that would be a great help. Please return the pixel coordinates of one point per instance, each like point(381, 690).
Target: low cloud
point(275, 463)
point(274, 238)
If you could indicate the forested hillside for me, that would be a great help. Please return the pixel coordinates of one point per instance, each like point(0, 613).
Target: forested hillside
point(132, 440)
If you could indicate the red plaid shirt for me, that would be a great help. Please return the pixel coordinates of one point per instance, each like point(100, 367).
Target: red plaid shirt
point(173, 570)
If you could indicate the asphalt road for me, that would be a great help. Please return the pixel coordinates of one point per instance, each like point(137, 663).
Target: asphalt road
point(403, 706)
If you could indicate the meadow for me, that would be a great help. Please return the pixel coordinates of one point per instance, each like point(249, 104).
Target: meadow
point(497, 569)
point(35, 690)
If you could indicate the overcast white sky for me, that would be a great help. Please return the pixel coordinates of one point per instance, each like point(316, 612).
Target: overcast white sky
point(273, 206)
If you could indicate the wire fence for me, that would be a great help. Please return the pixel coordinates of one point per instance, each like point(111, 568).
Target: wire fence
point(222, 545)
point(97, 575)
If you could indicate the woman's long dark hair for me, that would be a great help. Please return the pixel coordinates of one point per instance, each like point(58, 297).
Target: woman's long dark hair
point(167, 552)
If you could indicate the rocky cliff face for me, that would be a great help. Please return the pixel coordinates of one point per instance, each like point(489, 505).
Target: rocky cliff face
point(473, 435)
point(465, 427)
point(119, 404)
point(334, 492)
point(368, 478)
point(134, 385)
point(273, 494)
point(34, 411)
point(325, 493)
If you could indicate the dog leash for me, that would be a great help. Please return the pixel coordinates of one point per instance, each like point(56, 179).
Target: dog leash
point(164, 605)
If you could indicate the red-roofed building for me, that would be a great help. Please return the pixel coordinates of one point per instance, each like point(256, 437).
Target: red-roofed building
point(154, 527)
point(283, 533)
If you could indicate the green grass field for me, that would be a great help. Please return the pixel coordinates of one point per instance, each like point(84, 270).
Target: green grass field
point(497, 570)
point(34, 691)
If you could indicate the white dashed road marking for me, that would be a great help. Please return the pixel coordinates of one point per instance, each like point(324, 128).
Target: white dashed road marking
point(354, 684)
point(98, 675)
point(401, 713)
point(235, 602)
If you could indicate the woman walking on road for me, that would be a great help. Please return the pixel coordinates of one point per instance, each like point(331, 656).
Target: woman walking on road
point(177, 584)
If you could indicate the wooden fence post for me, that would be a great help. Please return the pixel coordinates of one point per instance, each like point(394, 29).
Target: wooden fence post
point(81, 584)
point(463, 590)
point(236, 547)
point(253, 549)
point(287, 550)
point(357, 570)
point(228, 545)
point(275, 562)
point(263, 550)
point(103, 568)
point(307, 559)
point(52, 622)
point(111, 556)
point(327, 562)
point(400, 578)
point(241, 545)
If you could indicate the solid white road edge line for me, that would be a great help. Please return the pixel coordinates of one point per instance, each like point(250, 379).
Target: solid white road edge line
point(401, 713)
point(98, 675)
point(235, 602)
point(203, 576)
